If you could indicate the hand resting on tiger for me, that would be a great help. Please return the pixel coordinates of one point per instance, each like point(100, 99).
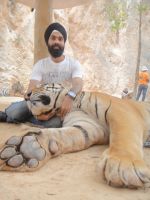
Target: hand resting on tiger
point(96, 118)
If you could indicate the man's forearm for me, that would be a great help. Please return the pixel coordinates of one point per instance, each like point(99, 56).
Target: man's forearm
point(32, 85)
point(77, 85)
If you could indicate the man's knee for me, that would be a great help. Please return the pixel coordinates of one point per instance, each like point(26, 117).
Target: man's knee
point(17, 111)
point(54, 122)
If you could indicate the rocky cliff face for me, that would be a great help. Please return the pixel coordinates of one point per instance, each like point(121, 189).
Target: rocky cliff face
point(16, 44)
point(109, 64)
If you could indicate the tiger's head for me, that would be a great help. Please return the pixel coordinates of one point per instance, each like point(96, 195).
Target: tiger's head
point(45, 98)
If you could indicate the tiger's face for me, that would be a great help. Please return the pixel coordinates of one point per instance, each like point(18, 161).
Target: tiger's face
point(44, 99)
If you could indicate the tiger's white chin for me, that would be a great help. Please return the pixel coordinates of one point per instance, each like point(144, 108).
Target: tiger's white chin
point(37, 109)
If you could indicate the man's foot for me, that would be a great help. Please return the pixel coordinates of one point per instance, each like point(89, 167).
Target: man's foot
point(3, 116)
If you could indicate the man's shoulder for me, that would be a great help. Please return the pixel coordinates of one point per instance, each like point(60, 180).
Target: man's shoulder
point(42, 61)
point(47, 59)
point(73, 62)
point(71, 59)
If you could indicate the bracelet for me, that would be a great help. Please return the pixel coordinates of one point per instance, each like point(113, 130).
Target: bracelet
point(71, 94)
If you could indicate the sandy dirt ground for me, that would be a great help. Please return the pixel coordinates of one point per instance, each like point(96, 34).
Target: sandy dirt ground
point(71, 176)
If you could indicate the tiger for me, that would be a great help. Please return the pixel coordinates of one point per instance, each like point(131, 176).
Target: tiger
point(16, 89)
point(5, 91)
point(95, 119)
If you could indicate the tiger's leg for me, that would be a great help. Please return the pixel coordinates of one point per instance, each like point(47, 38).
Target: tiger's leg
point(34, 149)
point(122, 164)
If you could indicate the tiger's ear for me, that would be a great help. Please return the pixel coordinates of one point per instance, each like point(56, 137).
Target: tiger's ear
point(45, 99)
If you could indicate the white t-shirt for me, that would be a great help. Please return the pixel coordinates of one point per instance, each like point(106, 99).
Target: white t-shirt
point(47, 71)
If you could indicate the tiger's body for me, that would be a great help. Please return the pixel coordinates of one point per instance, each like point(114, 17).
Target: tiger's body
point(96, 118)
point(17, 89)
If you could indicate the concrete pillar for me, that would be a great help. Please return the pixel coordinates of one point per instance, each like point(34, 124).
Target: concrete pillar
point(3, 8)
point(43, 17)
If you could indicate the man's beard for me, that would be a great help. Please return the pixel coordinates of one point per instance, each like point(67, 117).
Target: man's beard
point(55, 52)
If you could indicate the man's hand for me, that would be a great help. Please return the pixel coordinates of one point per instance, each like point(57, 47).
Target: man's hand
point(45, 117)
point(66, 106)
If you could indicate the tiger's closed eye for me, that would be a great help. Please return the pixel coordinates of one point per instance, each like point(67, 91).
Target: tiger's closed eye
point(45, 99)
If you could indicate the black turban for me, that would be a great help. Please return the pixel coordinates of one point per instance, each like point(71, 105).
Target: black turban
point(51, 28)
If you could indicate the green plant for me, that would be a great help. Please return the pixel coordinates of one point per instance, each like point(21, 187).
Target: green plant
point(117, 15)
point(142, 7)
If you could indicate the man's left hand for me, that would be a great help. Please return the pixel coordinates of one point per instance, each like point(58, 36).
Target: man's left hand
point(66, 106)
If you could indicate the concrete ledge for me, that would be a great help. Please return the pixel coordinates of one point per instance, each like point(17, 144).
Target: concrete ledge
point(57, 4)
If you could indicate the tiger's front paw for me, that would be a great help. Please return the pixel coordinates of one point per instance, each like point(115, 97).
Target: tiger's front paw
point(123, 171)
point(28, 152)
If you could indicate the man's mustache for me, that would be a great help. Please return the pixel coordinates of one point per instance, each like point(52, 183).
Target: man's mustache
point(56, 45)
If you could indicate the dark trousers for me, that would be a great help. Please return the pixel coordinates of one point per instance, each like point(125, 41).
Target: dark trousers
point(18, 112)
point(142, 90)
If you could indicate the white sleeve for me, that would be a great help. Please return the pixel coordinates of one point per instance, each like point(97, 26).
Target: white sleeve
point(77, 70)
point(36, 72)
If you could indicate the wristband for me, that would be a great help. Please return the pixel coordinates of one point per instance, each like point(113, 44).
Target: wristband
point(71, 94)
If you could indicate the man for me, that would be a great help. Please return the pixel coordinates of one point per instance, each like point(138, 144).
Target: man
point(57, 68)
point(126, 94)
point(143, 83)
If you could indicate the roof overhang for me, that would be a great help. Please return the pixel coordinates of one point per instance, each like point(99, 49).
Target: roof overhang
point(57, 4)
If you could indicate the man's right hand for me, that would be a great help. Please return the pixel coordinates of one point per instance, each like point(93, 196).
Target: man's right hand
point(45, 117)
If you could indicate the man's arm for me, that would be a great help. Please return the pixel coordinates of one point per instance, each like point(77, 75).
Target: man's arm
point(77, 85)
point(148, 78)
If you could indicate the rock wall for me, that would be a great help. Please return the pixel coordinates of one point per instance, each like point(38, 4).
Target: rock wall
point(16, 44)
point(109, 65)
